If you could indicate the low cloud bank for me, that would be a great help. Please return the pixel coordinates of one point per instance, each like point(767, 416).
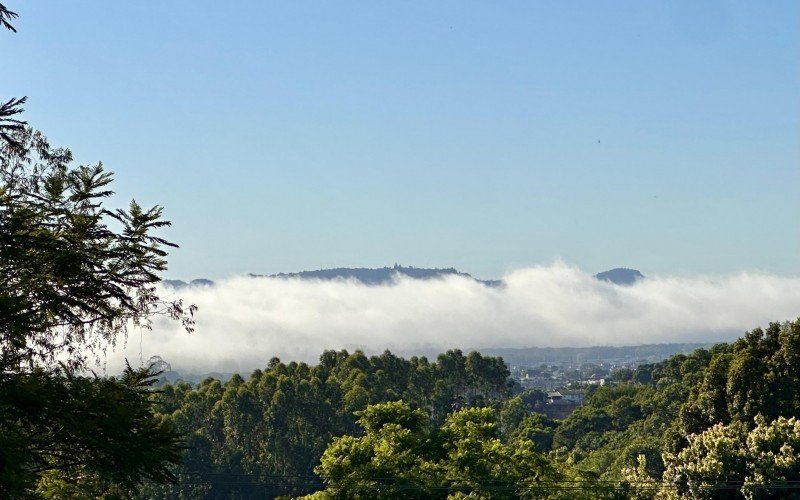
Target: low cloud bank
point(242, 322)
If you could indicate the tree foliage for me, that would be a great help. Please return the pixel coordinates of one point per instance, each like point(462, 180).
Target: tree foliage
point(74, 275)
point(6, 16)
point(400, 457)
point(726, 460)
point(82, 433)
point(267, 433)
point(692, 411)
point(70, 285)
point(69, 280)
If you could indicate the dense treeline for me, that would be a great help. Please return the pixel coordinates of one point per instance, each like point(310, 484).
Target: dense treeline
point(271, 430)
point(661, 404)
point(665, 412)
point(385, 427)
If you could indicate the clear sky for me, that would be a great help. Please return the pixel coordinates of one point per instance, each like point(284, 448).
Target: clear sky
point(482, 135)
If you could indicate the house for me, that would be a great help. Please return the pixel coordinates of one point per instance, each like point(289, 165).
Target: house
point(558, 407)
point(554, 396)
point(573, 396)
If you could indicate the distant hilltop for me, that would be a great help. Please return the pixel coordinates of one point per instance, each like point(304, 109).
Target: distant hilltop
point(385, 275)
point(178, 284)
point(620, 276)
point(378, 276)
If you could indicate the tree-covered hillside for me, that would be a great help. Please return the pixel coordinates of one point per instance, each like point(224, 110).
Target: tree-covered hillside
point(662, 411)
point(385, 427)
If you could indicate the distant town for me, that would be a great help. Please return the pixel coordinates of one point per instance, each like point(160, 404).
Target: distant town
point(558, 386)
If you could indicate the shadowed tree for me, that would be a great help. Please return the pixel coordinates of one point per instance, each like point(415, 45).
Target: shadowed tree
point(74, 276)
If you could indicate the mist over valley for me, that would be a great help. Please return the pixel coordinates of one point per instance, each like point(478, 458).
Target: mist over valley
point(244, 321)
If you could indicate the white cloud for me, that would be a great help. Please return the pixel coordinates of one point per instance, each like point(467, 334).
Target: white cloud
point(242, 322)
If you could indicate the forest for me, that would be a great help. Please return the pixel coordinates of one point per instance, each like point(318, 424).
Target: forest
point(718, 423)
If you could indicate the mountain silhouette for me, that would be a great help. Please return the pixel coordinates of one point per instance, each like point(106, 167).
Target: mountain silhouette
point(178, 284)
point(620, 276)
point(378, 276)
point(386, 275)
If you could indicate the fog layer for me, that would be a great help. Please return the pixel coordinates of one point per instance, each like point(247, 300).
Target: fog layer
point(242, 322)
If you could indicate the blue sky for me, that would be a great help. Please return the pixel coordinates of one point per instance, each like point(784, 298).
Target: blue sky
point(483, 135)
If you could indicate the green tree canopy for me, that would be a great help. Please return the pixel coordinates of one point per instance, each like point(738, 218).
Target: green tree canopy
point(399, 456)
point(86, 434)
